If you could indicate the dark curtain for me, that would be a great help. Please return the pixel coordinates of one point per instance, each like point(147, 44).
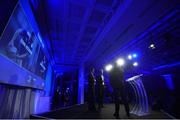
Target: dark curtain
point(17, 102)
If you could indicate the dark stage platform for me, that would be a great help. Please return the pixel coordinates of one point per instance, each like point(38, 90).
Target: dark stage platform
point(81, 112)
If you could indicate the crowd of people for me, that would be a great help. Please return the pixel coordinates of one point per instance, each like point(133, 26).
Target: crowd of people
point(61, 98)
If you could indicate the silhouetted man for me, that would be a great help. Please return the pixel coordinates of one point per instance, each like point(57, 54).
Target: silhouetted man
point(100, 88)
point(91, 90)
point(117, 82)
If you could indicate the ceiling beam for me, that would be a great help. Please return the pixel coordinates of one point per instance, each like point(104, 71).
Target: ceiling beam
point(83, 26)
point(103, 8)
point(91, 24)
point(108, 28)
point(65, 20)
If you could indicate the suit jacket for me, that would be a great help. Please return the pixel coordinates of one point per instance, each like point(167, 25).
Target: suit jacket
point(91, 80)
point(100, 80)
point(116, 76)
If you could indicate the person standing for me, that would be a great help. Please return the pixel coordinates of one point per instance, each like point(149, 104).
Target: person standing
point(100, 88)
point(91, 90)
point(118, 84)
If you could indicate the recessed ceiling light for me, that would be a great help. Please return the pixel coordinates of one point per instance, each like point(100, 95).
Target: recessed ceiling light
point(152, 46)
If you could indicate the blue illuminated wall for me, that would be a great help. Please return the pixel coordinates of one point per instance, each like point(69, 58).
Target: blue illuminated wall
point(163, 88)
point(81, 82)
point(169, 81)
point(48, 81)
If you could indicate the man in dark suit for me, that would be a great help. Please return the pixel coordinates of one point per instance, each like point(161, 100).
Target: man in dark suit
point(91, 90)
point(118, 84)
point(100, 88)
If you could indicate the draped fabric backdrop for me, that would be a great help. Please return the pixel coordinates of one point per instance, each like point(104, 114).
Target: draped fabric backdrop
point(17, 102)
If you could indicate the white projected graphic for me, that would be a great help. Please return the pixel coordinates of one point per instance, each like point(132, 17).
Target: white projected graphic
point(140, 105)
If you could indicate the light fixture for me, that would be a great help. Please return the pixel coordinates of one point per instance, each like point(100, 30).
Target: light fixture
point(108, 67)
point(120, 62)
point(129, 57)
point(135, 64)
point(152, 46)
point(134, 55)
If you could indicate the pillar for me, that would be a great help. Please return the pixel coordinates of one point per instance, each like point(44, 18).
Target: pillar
point(81, 85)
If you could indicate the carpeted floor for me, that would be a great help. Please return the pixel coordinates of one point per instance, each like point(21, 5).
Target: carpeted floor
point(81, 112)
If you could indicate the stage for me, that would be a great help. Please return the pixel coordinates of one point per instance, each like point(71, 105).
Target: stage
point(81, 112)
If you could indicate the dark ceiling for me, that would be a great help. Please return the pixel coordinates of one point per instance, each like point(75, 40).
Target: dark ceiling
point(95, 32)
point(6, 9)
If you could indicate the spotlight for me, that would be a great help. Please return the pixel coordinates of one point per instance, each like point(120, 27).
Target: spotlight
point(108, 67)
point(135, 64)
point(129, 57)
point(152, 46)
point(120, 62)
point(134, 55)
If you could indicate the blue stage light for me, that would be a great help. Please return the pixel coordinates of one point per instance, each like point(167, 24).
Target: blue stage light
point(134, 55)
